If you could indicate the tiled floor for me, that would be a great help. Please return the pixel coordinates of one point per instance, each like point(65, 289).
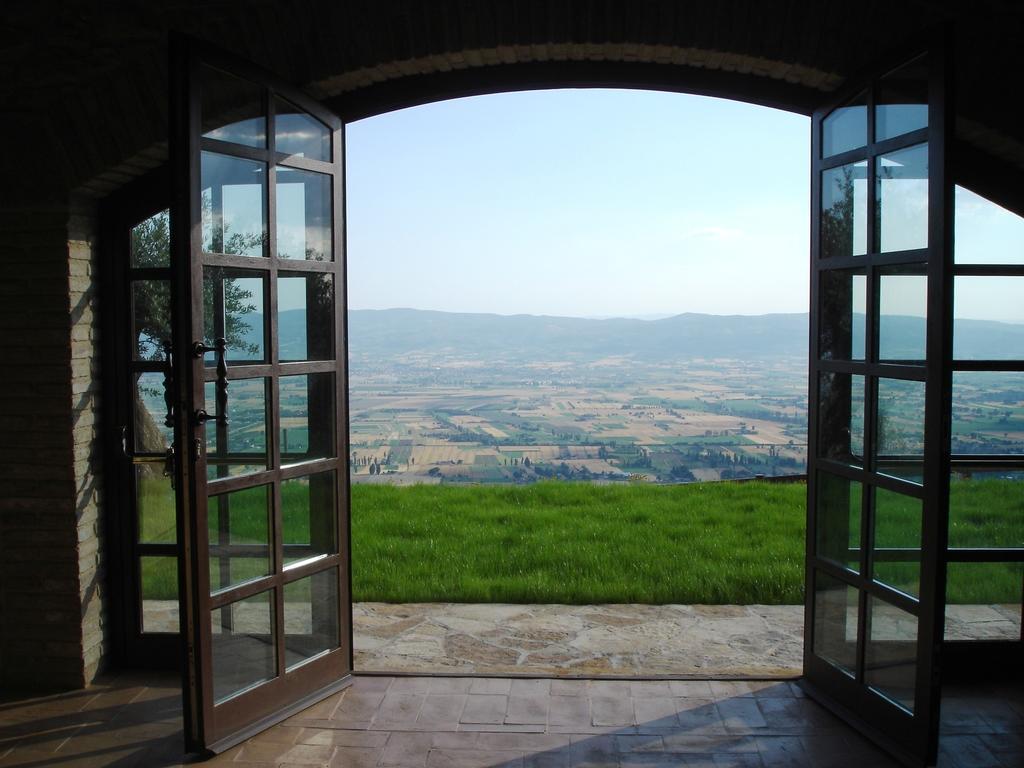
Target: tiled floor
point(477, 722)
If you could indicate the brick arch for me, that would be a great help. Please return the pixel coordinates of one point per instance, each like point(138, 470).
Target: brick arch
point(735, 75)
point(86, 101)
point(90, 93)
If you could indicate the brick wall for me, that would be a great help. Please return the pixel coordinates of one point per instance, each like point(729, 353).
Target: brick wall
point(86, 432)
point(51, 614)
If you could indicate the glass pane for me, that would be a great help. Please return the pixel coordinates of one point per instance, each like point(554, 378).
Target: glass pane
point(835, 622)
point(983, 601)
point(151, 241)
point(988, 415)
point(903, 199)
point(843, 303)
point(159, 579)
point(233, 309)
point(305, 319)
point(232, 205)
point(988, 318)
point(151, 318)
point(902, 310)
point(986, 509)
point(304, 215)
point(238, 527)
point(239, 448)
point(154, 503)
point(900, 429)
point(152, 435)
point(897, 548)
point(309, 514)
point(901, 101)
point(890, 659)
point(244, 654)
point(837, 527)
point(844, 211)
point(307, 417)
point(232, 109)
point(845, 129)
point(299, 133)
point(311, 617)
point(841, 417)
point(986, 233)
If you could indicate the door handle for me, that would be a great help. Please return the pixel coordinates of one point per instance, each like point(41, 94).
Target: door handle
point(168, 383)
point(219, 348)
point(169, 465)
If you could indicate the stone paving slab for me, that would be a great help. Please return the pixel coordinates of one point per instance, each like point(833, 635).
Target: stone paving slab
point(700, 641)
point(696, 641)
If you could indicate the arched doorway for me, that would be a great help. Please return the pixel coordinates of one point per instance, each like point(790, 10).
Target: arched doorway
point(868, 655)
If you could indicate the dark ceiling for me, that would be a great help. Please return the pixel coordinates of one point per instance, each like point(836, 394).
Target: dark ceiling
point(84, 84)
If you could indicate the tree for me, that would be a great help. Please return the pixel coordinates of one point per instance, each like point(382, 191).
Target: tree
point(152, 298)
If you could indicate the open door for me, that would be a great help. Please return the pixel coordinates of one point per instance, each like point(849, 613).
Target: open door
point(878, 479)
point(261, 397)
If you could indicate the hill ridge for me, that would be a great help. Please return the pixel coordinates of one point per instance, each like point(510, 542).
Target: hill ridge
point(385, 334)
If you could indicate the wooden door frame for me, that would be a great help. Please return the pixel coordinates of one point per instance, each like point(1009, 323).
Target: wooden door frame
point(211, 727)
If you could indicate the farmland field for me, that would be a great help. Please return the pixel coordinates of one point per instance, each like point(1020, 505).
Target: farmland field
point(611, 422)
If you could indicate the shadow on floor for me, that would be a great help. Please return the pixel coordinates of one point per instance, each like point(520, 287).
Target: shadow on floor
point(435, 722)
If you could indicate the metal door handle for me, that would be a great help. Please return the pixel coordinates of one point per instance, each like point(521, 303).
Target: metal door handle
point(168, 383)
point(219, 348)
point(169, 465)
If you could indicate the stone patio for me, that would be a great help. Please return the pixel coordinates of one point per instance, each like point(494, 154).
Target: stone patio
point(693, 641)
point(699, 641)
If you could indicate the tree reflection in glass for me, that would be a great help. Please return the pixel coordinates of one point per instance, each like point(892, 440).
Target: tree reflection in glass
point(844, 204)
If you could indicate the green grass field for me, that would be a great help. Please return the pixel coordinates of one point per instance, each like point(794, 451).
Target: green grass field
point(578, 543)
point(557, 542)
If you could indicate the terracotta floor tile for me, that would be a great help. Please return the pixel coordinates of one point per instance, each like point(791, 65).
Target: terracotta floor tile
point(424, 722)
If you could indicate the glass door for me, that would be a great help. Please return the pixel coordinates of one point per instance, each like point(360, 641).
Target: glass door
point(257, 237)
point(138, 396)
point(878, 480)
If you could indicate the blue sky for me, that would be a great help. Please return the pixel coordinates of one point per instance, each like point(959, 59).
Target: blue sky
point(610, 203)
point(579, 202)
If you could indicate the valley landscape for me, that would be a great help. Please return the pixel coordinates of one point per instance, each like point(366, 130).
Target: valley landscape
point(459, 398)
point(440, 397)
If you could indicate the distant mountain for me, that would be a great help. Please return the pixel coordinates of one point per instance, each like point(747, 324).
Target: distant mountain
point(548, 338)
point(389, 333)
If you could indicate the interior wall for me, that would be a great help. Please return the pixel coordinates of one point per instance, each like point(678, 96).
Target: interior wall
point(51, 595)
